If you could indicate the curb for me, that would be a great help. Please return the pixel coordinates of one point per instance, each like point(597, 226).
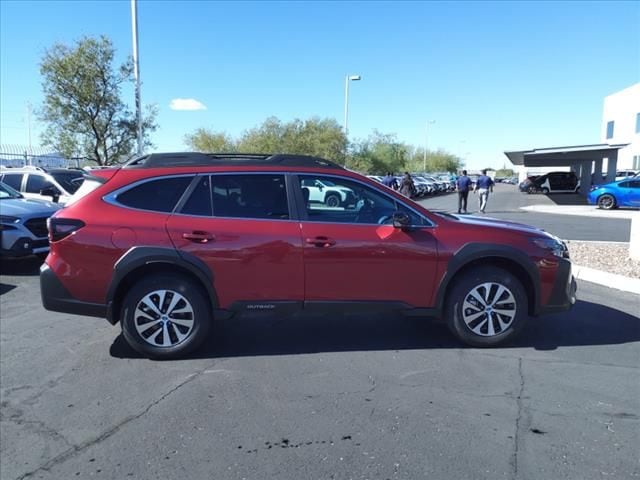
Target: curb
point(592, 212)
point(611, 280)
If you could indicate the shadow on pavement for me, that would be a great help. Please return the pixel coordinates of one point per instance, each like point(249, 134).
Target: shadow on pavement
point(567, 199)
point(586, 324)
point(4, 288)
point(27, 266)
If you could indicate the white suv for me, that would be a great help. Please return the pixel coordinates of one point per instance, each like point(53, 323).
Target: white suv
point(327, 192)
point(34, 182)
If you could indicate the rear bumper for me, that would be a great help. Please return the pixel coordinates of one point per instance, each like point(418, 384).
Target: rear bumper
point(563, 295)
point(56, 298)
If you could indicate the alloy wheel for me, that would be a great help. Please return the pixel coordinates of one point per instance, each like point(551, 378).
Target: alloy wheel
point(489, 309)
point(164, 318)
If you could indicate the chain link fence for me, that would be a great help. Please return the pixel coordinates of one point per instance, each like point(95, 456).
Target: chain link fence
point(20, 156)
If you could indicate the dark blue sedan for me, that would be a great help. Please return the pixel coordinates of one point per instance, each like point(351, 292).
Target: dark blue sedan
point(625, 193)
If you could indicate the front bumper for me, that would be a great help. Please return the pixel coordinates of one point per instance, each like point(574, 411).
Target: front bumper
point(19, 246)
point(56, 298)
point(563, 295)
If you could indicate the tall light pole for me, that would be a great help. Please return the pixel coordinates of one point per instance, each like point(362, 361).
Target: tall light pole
point(347, 79)
point(426, 135)
point(136, 72)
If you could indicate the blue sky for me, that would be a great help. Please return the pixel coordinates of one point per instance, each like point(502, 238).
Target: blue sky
point(493, 75)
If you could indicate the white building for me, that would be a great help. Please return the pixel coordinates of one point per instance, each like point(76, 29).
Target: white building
point(621, 124)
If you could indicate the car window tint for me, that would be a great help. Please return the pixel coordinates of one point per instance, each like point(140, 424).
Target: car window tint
point(14, 180)
point(199, 203)
point(70, 180)
point(624, 184)
point(634, 184)
point(159, 195)
point(250, 196)
point(346, 201)
point(35, 183)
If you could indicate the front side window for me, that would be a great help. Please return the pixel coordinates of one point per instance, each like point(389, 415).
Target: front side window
point(35, 183)
point(338, 200)
point(14, 180)
point(634, 184)
point(249, 196)
point(610, 129)
point(160, 195)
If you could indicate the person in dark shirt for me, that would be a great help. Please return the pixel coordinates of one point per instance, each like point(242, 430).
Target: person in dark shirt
point(462, 185)
point(483, 186)
point(390, 181)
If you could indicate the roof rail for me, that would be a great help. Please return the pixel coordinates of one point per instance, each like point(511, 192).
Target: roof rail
point(196, 159)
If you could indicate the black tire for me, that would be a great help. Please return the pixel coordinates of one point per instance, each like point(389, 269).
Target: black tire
point(545, 190)
point(606, 202)
point(332, 200)
point(461, 291)
point(194, 298)
point(531, 189)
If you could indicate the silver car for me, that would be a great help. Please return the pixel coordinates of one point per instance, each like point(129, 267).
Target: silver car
point(23, 223)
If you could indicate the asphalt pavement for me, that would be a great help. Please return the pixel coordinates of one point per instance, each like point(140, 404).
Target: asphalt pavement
point(320, 397)
point(506, 201)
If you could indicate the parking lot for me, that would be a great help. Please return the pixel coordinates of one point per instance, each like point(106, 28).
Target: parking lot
point(310, 396)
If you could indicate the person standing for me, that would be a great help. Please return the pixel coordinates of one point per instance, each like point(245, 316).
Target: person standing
point(406, 186)
point(390, 181)
point(462, 185)
point(483, 186)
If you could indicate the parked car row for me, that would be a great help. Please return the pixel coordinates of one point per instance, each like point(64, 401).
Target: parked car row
point(426, 184)
point(56, 185)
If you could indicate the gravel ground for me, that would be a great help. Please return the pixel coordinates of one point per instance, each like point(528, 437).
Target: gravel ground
point(610, 257)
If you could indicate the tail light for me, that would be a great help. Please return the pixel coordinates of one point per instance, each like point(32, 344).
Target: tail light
point(60, 228)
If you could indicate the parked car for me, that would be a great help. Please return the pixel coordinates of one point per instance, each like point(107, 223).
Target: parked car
point(624, 174)
point(555, 182)
point(23, 223)
point(55, 185)
point(182, 239)
point(623, 193)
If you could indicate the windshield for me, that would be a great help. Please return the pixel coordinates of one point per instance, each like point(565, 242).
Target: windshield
point(70, 180)
point(7, 192)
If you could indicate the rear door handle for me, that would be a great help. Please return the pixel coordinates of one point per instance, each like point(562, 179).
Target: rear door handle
point(198, 237)
point(321, 241)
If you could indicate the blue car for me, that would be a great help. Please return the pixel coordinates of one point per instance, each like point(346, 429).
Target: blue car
point(624, 193)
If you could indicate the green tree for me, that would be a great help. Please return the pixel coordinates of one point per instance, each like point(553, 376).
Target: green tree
point(83, 108)
point(504, 173)
point(320, 137)
point(378, 154)
point(203, 140)
point(438, 161)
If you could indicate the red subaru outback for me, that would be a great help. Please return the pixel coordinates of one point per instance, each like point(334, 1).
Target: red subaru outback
point(169, 242)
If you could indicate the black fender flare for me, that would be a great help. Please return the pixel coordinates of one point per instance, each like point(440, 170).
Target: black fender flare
point(137, 257)
point(472, 252)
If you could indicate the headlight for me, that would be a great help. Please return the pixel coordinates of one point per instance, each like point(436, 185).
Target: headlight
point(8, 219)
point(554, 245)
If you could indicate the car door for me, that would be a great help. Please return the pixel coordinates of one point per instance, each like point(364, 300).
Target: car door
point(353, 253)
point(634, 193)
point(240, 226)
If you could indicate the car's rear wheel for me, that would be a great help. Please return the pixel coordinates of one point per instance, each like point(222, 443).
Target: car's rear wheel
point(486, 307)
point(332, 200)
point(165, 316)
point(531, 189)
point(606, 202)
point(545, 190)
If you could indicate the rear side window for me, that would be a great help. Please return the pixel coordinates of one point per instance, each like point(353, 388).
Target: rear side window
point(199, 203)
point(14, 180)
point(159, 195)
point(35, 183)
point(249, 196)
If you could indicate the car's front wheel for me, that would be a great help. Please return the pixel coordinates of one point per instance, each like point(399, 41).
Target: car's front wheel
point(606, 202)
point(332, 200)
point(486, 307)
point(165, 316)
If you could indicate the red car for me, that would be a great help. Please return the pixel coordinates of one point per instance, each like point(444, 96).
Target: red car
point(169, 242)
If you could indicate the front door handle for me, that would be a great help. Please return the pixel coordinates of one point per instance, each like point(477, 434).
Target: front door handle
point(198, 237)
point(321, 241)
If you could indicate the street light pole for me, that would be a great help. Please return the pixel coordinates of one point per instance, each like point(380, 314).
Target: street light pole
point(136, 73)
point(426, 134)
point(348, 79)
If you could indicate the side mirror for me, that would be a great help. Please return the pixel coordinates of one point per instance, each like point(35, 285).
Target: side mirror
point(51, 192)
point(401, 220)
